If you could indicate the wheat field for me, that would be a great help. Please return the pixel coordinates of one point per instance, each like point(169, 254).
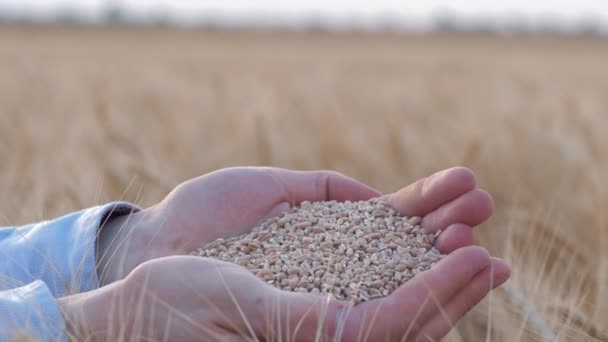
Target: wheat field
point(90, 115)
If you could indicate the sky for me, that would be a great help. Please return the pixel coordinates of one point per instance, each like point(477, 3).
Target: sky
point(563, 9)
point(559, 7)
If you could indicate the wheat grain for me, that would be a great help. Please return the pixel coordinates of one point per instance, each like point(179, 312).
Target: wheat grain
point(354, 251)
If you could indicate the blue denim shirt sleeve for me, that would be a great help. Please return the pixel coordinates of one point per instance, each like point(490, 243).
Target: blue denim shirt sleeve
point(42, 261)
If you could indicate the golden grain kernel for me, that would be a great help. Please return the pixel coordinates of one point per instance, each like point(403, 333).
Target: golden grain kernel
point(414, 220)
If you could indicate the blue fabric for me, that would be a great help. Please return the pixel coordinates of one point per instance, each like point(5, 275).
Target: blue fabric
point(30, 311)
point(46, 260)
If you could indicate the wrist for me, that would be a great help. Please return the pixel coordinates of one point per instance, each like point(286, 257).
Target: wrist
point(84, 315)
point(125, 242)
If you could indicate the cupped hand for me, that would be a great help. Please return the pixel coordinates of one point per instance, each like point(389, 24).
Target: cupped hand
point(223, 203)
point(188, 298)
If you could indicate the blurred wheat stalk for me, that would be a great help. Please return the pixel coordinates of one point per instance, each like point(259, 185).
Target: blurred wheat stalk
point(96, 115)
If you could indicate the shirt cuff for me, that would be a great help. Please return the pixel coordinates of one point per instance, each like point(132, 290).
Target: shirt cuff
point(91, 223)
point(60, 252)
point(30, 312)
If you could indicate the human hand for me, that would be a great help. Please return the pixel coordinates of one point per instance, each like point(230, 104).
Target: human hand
point(188, 298)
point(223, 203)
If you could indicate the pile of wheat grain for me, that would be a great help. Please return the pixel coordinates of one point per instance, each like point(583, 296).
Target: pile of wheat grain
point(355, 251)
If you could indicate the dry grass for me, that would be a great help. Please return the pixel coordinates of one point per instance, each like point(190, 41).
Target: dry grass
point(86, 114)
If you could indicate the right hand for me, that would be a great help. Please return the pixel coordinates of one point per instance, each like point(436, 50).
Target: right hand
point(188, 298)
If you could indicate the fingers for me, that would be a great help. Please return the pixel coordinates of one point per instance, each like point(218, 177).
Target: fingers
point(412, 304)
point(322, 186)
point(427, 194)
point(472, 208)
point(489, 278)
point(455, 236)
point(444, 198)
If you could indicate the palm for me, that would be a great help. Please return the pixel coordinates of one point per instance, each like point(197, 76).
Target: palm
point(215, 300)
point(198, 292)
